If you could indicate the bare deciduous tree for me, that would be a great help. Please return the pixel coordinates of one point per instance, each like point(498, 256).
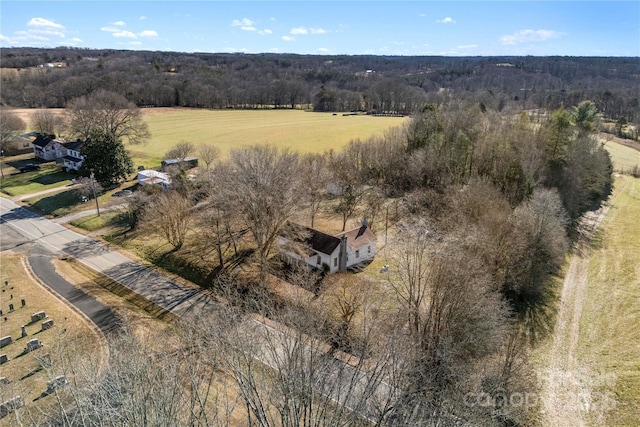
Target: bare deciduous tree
point(180, 151)
point(47, 122)
point(108, 112)
point(453, 320)
point(169, 215)
point(315, 180)
point(10, 125)
point(263, 185)
point(208, 154)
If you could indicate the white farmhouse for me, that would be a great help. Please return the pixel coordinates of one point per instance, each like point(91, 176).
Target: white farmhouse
point(331, 253)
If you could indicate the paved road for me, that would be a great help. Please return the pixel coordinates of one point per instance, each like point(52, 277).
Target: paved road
point(57, 240)
point(101, 315)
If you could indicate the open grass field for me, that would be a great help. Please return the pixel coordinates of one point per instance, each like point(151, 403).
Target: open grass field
point(297, 130)
point(609, 344)
point(624, 158)
point(70, 331)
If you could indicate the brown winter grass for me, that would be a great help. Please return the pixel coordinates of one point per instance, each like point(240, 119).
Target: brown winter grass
point(609, 344)
point(71, 330)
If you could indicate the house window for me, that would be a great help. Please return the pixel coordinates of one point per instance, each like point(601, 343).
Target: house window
point(368, 249)
point(335, 262)
point(319, 260)
point(358, 253)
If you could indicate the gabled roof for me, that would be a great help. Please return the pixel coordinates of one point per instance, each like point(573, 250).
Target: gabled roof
point(315, 240)
point(327, 244)
point(75, 146)
point(322, 242)
point(43, 140)
point(359, 237)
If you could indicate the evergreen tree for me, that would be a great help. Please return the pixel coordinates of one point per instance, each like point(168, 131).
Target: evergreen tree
point(106, 157)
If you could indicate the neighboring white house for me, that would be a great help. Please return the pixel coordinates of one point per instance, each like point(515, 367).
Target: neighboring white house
point(331, 253)
point(73, 159)
point(150, 177)
point(45, 147)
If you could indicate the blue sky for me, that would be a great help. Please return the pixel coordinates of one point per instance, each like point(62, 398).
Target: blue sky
point(455, 28)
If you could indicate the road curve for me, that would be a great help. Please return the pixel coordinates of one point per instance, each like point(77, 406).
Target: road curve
point(103, 317)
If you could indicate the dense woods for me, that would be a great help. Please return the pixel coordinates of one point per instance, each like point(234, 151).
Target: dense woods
point(486, 196)
point(397, 85)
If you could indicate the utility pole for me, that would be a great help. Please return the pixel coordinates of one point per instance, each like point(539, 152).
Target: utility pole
point(93, 188)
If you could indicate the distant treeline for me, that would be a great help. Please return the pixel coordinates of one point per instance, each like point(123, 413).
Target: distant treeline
point(375, 84)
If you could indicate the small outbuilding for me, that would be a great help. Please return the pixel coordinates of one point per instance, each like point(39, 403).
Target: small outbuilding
point(151, 177)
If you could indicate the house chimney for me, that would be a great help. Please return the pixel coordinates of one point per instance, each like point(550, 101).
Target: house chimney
point(342, 257)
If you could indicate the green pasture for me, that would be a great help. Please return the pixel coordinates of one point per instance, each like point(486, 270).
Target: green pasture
point(297, 130)
point(609, 344)
point(624, 158)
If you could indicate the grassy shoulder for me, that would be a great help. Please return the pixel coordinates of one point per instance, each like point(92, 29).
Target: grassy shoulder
point(609, 344)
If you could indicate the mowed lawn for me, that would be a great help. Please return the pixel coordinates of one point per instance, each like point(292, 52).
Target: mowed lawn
point(609, 343)
point(297, 130)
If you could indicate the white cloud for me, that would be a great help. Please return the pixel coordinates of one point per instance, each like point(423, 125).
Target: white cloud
point(288, 39)
point(142, 18)
point(125, 34)
point(119, 23)
point(41, 22)
point(135, 43)
point(244, 22)
point(323, 50)
point(76, 40)
point(248, 28)
point(265, 32)
point(110, 29)
point(467, 46)
point(148, 33)
point(527, 36)
point(447, 20)
point(304, 31)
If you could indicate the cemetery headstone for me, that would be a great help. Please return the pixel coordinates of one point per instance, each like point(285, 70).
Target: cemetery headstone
point(45, 360)
point(24, 331)
point(56, 383)
point(10, 308)
point(38, 316)
point(5, 341)
point(32, 345)
point(47, 324)
point(11, 405)
point(3, 359)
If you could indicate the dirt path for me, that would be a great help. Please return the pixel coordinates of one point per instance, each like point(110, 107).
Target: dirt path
point(566, 388)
